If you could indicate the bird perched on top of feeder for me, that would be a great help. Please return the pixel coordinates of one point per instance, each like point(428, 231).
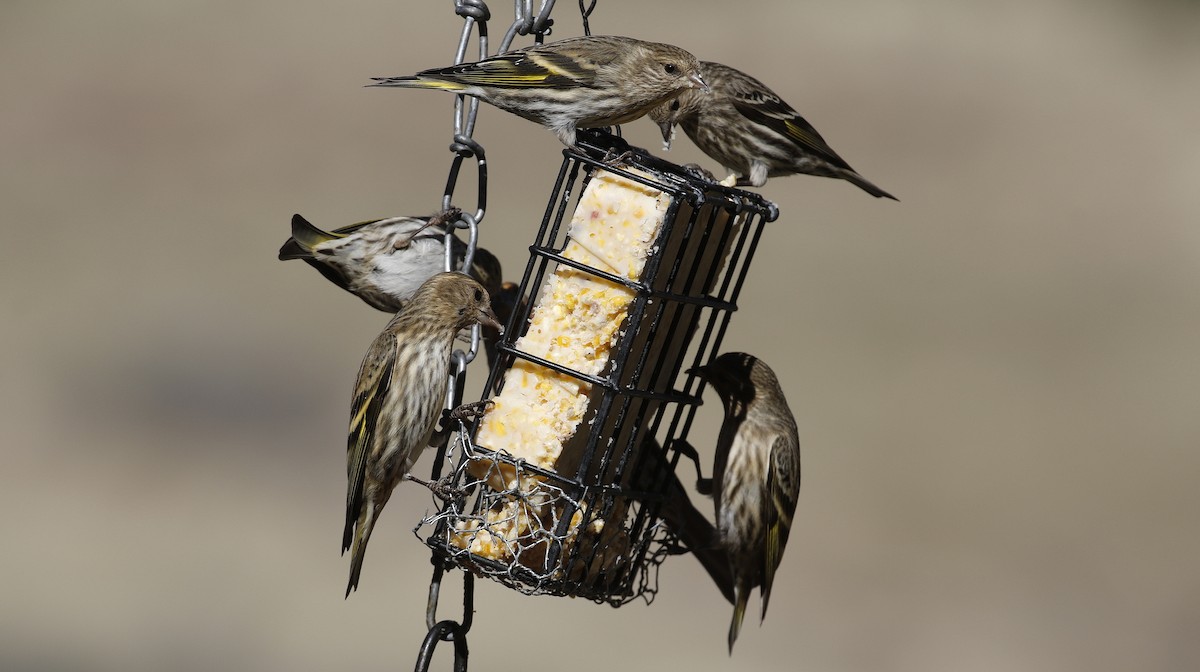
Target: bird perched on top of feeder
point(752, 132)
point(579, 82)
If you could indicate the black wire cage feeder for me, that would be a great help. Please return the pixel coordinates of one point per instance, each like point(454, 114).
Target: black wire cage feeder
point(556, 489)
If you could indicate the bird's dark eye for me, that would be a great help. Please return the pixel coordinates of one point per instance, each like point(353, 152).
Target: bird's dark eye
point(674, 105)
point(671, 68)
point(478, 295)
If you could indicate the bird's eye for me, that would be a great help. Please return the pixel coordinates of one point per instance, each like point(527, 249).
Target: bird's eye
point(674, 105)
point(671, 68)
point(478, 295)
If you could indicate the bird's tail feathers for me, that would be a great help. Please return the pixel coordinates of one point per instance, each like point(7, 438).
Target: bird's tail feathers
point(362, 534)
point(864, 184)
point(304, 238)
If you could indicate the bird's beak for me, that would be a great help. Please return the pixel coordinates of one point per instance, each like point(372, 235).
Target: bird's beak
point(701, 371)
point(668, 133)
point(699, 83)
point(487, 318)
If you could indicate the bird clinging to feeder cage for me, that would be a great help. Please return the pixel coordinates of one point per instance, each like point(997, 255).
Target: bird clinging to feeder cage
point(756, 475)
point(398, 398)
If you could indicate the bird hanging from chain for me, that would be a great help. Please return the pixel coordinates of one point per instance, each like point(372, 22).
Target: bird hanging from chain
point(383, 261)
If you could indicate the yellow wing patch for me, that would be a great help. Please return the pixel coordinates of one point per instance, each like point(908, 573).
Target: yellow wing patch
point(802, 134)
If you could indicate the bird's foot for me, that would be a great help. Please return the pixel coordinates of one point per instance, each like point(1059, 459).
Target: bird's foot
point(731, 180)
point(444, 217)
point(699, 172)
point(615, 160)
point(440, 488)
point(452, 418)
point(467, 412)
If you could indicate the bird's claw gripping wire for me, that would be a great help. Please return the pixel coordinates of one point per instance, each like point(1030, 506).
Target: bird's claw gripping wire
point(470, 411)
point(699, 172)
point(614, 160)
point(453, 419)
point(440, 488)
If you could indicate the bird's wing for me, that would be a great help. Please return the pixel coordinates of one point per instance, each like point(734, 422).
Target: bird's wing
point(519, 69)
point(425, 227)
point(351, 228)
point(306, 236)
point(374, 379)
point(762, 106)
point(783, 485)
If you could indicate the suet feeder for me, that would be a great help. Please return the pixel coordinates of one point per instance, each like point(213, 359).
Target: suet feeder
point(555, 488)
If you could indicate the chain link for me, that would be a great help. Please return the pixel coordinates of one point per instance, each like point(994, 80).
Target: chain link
point(586, 13)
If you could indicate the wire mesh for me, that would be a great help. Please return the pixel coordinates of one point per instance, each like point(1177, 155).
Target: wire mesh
point(586, 526)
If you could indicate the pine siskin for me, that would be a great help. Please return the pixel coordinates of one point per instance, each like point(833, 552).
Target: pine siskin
point(580, 82)
point(756, 475)
point(398, 397)
point(752, 132)
point(383, 261)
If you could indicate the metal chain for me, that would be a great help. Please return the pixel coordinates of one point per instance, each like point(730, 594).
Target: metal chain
point(586, 13)
point(475, 14)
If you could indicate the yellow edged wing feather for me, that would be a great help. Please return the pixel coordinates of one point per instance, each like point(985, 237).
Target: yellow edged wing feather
point(783, 483)
point(374, 379)
point(516, 69)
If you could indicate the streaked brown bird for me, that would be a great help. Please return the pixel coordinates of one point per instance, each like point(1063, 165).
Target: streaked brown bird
point(756, 475)
point(398, 398)
point(579, 82)
point(752, 132)
point(383, 261)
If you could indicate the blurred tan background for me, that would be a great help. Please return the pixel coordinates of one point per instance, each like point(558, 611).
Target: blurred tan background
point(997, 380)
